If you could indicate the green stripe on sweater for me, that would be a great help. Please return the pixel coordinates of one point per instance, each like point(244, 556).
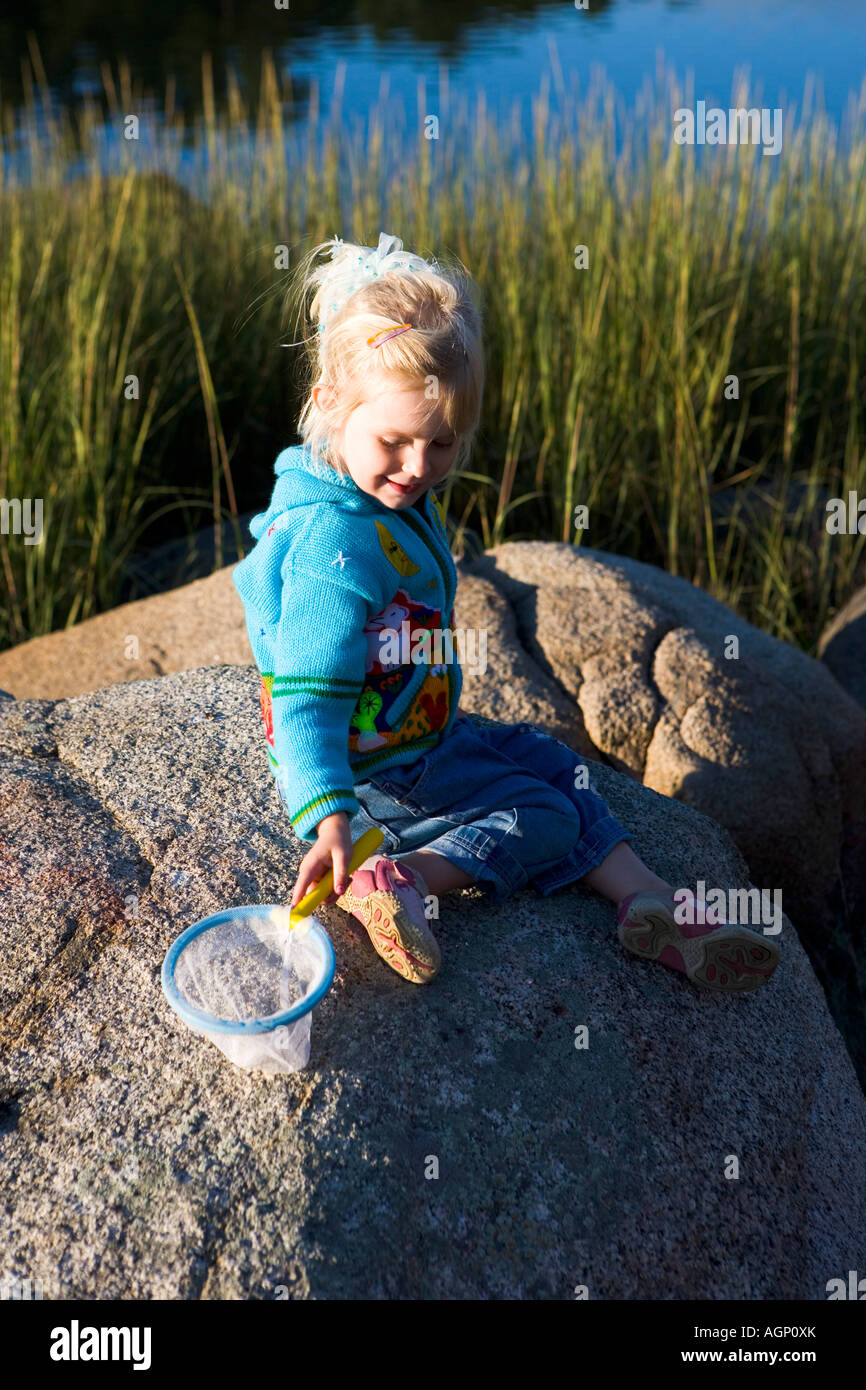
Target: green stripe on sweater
point(328, 796)
point(314, 687)
point(305, 676)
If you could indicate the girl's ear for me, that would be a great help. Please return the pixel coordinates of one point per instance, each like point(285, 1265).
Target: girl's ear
point(324, 396)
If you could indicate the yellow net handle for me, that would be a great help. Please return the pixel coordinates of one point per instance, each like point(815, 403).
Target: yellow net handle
point(366, 845)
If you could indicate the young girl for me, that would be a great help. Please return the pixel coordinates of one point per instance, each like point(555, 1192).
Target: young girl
point(349, 595)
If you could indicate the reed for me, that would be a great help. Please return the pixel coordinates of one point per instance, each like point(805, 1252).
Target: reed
point(142, 373)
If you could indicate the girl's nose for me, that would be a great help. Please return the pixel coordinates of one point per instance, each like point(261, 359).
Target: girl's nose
point(416, 464)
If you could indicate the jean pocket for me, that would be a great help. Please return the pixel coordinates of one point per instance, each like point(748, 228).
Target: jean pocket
point(402, 781)
point(365, 821)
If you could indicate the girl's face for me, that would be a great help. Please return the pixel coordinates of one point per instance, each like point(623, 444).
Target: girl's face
point(396, 446)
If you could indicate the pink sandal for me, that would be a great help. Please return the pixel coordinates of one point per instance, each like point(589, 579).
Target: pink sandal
point(387, 897)
point(712, 954)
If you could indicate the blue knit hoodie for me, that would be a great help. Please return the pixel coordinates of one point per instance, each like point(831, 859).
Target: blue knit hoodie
point(338, 592)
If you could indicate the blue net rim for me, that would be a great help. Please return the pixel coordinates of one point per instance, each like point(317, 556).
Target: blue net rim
point(316, 936)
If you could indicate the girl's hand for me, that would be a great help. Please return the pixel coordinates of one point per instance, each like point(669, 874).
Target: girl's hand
point(333, 848)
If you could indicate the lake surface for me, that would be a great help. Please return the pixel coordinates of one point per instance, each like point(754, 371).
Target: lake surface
point(504, 50)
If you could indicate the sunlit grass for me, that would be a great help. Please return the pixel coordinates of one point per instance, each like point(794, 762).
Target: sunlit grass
point(140, 330)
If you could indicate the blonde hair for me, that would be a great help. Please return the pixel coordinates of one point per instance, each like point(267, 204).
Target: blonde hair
point(445, 342)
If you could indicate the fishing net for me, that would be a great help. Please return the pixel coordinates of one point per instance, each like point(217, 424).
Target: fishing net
point(245, 981)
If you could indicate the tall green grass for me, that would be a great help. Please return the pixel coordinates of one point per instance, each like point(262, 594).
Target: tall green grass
point(605, 385)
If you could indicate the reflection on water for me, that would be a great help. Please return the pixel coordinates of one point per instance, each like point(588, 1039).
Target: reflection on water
point(503, 50)
point(162, 39)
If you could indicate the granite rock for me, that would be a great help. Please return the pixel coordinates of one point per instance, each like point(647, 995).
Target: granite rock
point(136, 1162)
point(766, 741)
point(842, 646)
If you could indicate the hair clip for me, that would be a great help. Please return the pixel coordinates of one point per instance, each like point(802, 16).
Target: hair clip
point(385, 333)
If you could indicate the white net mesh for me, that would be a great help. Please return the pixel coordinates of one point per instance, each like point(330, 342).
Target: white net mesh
point(252, 968)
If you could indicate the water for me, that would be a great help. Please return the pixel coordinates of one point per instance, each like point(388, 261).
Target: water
point(504, 51)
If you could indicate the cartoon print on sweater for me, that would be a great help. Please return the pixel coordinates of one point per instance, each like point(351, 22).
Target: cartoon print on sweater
point(386, 678)
point(395, 552)
point(438, 510)
point(265, 688)
point(432, 700)
point(380, 629)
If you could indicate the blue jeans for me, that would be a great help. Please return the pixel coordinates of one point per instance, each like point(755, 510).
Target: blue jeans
point(499, 802)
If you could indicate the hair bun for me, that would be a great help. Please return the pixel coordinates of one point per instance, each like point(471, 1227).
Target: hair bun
point(351, 267)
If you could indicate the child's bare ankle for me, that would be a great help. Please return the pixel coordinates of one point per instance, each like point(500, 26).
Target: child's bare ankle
point(438, 873)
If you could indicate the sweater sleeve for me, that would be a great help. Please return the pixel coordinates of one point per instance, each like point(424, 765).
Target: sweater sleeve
point(319, 667)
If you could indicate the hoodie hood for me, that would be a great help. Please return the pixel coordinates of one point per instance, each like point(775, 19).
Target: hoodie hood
point(333, 569)
point(302, 481)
